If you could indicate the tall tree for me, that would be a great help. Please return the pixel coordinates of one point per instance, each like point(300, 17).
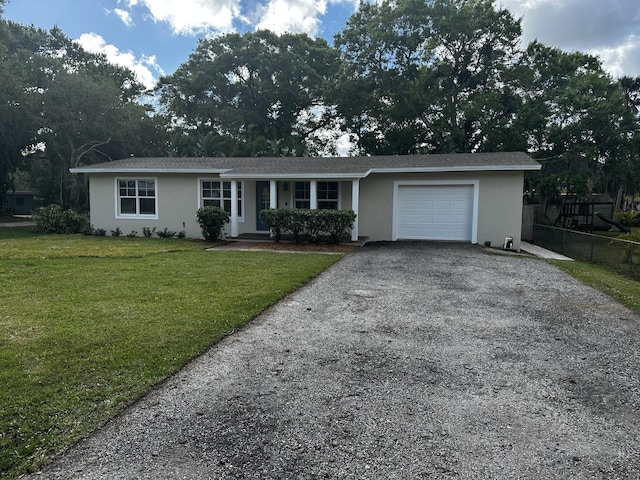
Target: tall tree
point(428, 75)
point(61, 107)
point(626, 170)
point(576, 121)
point(252, 94)
point(22, 78)
point(84, 120)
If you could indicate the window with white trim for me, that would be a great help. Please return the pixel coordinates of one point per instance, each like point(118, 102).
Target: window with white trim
point(302, 195)
point(216, 193)
point(137, 197)
point(327, 193)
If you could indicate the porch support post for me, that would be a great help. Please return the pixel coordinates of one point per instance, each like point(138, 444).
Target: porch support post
point(314, 194)
point(355, 206)
point(234, 208)
point(273, 194)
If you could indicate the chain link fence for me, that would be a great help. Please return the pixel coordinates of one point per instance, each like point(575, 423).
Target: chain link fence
point(616, 254)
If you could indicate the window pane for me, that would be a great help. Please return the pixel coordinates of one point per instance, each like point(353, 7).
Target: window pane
point(327, 205)
point(303, 189)
point(131, 188)
point(128, 206)
point(328, 190)
point(147, 206)
point(146, 188)
point(211, 203)
point(227, 206)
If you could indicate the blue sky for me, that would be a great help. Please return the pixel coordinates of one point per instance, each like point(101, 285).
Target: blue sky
point(153, 37)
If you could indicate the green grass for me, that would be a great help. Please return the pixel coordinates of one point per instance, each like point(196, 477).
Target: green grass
point(623, 289)
point(620, 257)
point(89, 324)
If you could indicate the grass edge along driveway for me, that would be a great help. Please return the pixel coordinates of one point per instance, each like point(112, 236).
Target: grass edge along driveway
point(88, 325)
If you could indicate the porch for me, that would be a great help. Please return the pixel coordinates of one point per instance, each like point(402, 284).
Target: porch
point(248, 196)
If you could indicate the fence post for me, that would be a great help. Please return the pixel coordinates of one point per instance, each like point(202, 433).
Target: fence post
point(631, 260)
point(564, 240)
point(591, 253)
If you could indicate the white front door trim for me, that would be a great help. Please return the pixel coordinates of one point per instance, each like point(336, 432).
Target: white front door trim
point(426, 183)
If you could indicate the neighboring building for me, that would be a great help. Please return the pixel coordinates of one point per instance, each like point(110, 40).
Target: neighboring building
point(473, 198)
point(20, 202)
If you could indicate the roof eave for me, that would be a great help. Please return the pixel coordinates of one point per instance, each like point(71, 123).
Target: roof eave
point(288, 176)
point(474, 168)
point(148, 170)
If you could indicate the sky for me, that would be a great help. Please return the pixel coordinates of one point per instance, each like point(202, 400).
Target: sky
point(153, 37)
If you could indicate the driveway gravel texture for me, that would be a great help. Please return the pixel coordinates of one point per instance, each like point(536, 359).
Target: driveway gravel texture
point(404, 360)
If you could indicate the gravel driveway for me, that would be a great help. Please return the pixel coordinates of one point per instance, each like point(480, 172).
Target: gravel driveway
point(402, 361)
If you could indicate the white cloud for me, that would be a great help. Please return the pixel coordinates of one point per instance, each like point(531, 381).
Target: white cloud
point(623, 59)
point(610, 28)
point(292, 16)
point(125, 16)
point(143, 67)
point(190, 17)
point(210, 17)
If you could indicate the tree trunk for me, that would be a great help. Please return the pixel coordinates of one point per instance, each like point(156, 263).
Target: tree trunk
point(619, 198)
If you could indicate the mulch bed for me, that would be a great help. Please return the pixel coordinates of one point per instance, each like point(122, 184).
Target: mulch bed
point(304, 247)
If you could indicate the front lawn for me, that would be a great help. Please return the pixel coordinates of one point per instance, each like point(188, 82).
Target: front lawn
point(623, 289)
point(89, 324)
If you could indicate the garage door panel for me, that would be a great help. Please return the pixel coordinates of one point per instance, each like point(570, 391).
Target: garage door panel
point(435, 212)
point(461, 204)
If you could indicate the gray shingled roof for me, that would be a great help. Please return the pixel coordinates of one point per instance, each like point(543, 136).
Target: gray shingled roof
point(309, 167)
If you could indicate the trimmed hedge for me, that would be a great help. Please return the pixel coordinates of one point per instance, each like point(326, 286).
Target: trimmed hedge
point(331, 226)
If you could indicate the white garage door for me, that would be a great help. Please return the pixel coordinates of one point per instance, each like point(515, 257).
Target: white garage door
point(435, 212)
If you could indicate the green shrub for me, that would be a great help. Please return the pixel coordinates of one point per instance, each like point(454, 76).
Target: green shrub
point(212, 221)
point(116, 233)
point(166, 233)
point(296, 224)
point(305, 225)
point(52, 219)
point(148, 232)
point(628, 218)
point(276, 219)
point(132, 234)
point(336, 225)
point(632, 236)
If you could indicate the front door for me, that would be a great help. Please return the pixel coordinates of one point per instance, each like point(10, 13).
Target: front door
point(262, 203)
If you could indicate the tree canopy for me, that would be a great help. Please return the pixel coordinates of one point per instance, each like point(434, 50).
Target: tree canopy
point(403, 77)
point(253, 94)
point(427, 76)
point(62, 107)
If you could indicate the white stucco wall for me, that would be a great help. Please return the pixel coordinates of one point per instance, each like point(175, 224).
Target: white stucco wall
point(176, 210)
point(499, 203)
